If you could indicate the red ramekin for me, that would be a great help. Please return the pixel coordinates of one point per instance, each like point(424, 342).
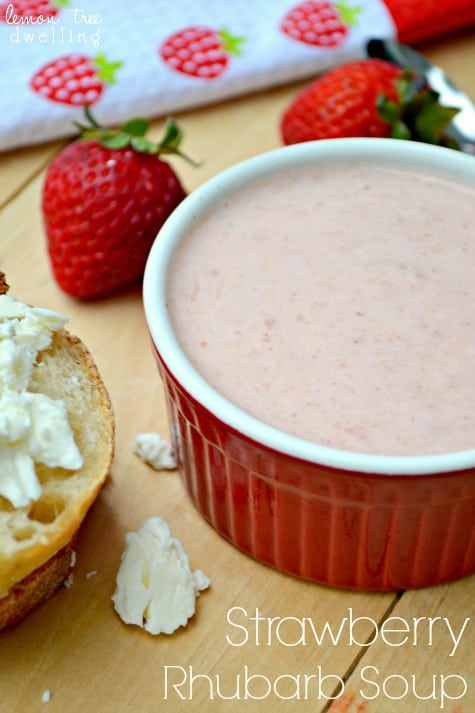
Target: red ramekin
point(344, 519)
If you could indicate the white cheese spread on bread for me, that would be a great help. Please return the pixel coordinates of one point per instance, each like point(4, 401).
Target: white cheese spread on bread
point(34, 428)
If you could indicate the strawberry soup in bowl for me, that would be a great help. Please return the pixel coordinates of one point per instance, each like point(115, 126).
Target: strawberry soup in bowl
point(312, 312)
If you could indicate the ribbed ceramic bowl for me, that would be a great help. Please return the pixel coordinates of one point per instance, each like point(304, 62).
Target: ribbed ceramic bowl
point(345, 519)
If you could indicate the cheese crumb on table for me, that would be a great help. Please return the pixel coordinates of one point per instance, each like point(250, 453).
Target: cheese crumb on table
point(155, 451)
point(155, 587)
point(68, 582)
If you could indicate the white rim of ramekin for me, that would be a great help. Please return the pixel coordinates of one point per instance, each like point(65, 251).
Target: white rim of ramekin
point(406, 153)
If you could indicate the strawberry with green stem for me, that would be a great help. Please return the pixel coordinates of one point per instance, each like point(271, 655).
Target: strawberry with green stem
point(417, 114)
point(75, 79)
point(104, 200)
point(369, 97)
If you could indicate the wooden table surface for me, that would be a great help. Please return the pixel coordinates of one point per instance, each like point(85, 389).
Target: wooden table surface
point(77, 648)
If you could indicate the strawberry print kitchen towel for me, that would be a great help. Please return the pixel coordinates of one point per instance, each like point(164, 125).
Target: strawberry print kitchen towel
point(154, 57)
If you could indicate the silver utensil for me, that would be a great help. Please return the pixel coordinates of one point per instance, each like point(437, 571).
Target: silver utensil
point(462, 127)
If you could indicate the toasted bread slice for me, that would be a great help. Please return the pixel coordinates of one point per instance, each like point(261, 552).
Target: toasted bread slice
point(36, 541)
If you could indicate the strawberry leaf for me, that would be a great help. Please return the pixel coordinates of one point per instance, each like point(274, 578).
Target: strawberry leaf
point(132, 133)
point(408, 86)
point(135, 127)
point(115, 140)
point(418, 114)
point(172, 139)
point(432, 121)
point(399, 130)
point(388, 110)
point(143, 145)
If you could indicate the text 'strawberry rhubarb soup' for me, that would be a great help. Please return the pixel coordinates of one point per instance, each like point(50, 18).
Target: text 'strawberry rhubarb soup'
point(338, 305)
point(313, 316)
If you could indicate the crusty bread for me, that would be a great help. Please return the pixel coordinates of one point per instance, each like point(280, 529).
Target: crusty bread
point(37, 587)
point(36, 541)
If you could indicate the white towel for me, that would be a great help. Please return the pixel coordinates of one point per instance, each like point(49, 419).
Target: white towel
point(50, 63)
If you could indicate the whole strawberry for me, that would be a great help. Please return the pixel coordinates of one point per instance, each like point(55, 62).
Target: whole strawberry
point(341, 102)
point(370, 97)
point(104, 199)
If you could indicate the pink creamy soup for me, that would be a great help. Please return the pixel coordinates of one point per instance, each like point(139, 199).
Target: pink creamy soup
point(338, 304)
